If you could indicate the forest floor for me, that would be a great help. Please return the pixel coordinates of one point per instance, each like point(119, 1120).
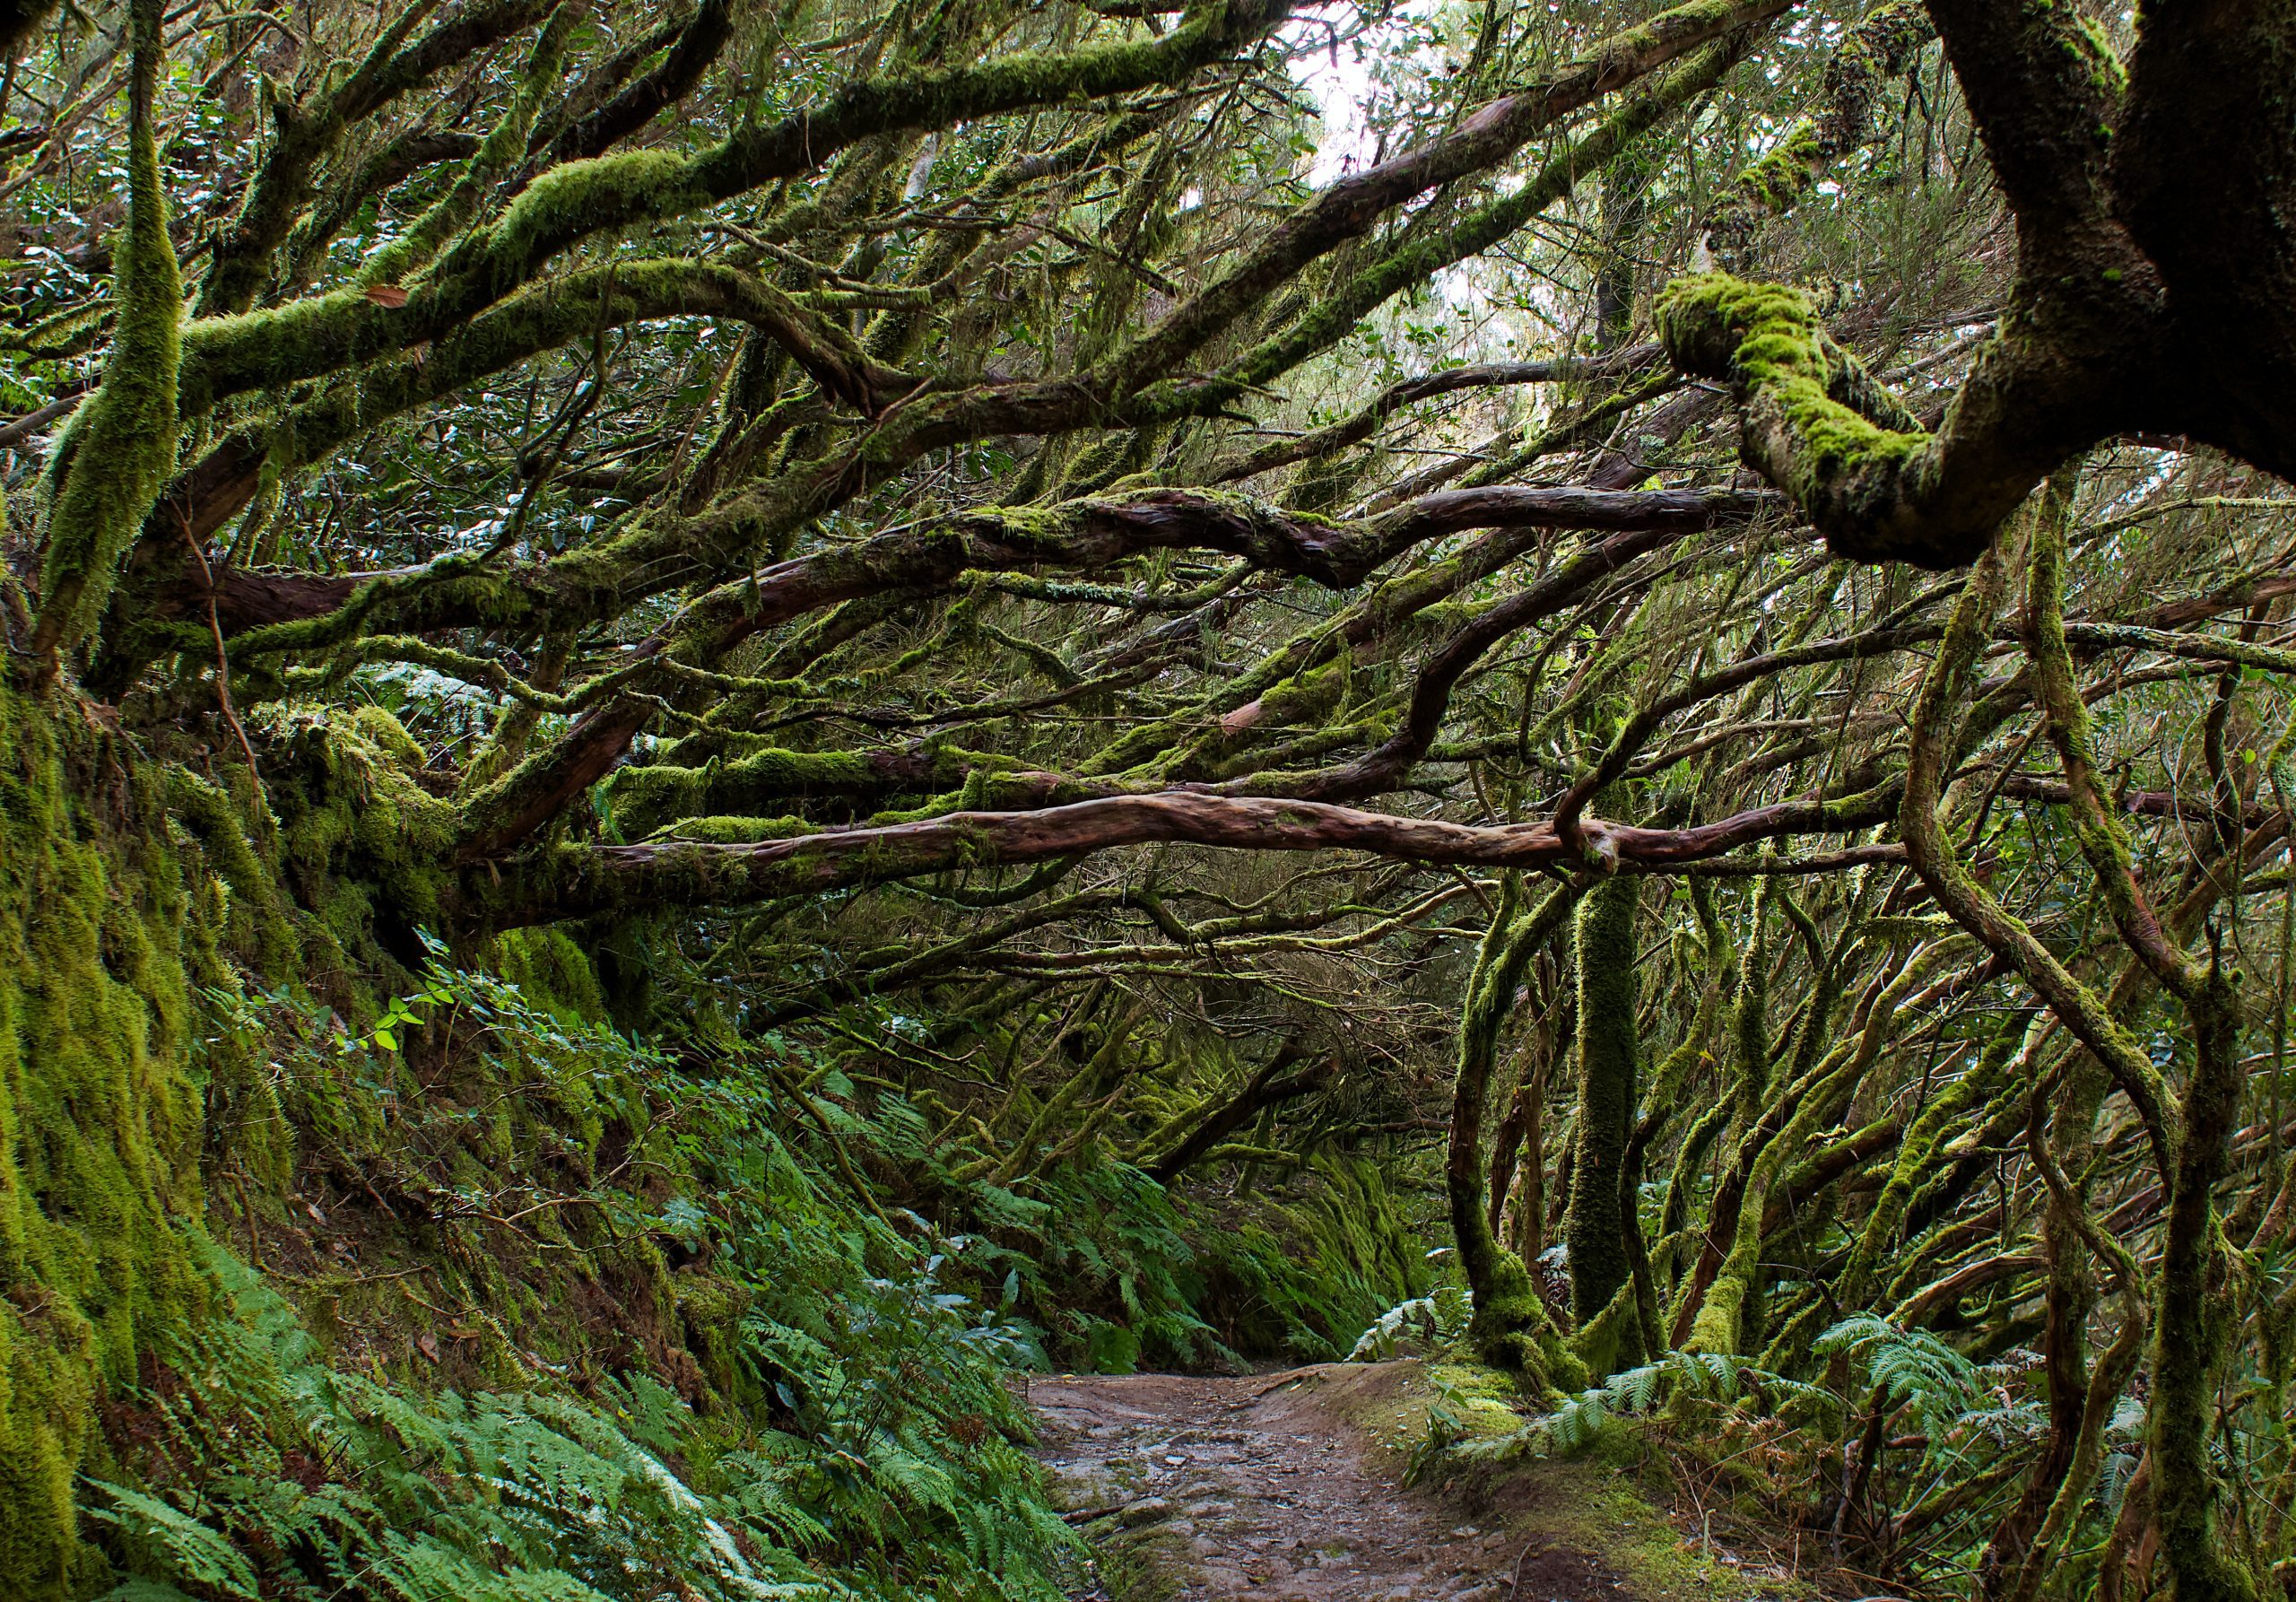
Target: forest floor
point(1289, 1487)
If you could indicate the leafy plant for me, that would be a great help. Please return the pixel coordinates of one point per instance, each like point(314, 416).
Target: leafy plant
point(1433, 1320)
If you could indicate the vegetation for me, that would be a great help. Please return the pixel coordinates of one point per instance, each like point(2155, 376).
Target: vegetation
point(723, 716)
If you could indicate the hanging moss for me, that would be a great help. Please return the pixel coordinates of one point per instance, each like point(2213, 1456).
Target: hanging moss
point(552, 970)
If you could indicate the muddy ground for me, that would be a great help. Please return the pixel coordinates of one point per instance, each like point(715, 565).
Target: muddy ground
point(1289, 1487)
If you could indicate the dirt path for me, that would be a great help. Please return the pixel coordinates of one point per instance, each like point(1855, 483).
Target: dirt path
point(1198, 1488)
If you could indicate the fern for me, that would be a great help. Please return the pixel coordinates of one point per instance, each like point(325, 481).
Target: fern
point(1437, 1319)
point(177, 1543)
point(894, 1453)
point(1913, 1369)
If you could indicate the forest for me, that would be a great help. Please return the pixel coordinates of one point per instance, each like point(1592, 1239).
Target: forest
point(730, 726)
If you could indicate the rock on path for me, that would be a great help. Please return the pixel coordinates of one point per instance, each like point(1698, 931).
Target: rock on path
point(1255, 1488)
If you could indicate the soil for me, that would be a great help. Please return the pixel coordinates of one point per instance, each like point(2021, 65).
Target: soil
point(1199, 1487)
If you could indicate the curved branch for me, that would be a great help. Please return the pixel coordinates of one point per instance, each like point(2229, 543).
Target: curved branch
point(572, 882)
point(1081, 534)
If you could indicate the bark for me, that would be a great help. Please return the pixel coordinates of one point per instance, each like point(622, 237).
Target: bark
point(2191, 1322)
point(1079, 535)
point(578, 881)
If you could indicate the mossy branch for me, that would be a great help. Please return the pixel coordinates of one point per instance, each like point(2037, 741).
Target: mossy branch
point(1876, 51)
point(117, 451)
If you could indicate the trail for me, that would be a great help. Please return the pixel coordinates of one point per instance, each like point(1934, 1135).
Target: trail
point(1262, 1487)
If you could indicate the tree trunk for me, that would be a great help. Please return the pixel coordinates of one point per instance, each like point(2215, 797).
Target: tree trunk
point(2189, 1329)
point(1510, 1329)
point(1608, 1066)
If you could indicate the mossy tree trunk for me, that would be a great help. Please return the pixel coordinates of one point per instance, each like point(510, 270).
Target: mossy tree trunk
point(1609, 1066)
point(1510, 1328)
point(2188, 1338)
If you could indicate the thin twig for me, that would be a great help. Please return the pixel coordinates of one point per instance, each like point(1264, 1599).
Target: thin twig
point(223, 657)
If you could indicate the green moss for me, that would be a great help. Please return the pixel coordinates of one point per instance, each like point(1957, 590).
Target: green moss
point(1609, 1066)
point(724, 830)
point(554, 971)
point(370, 849)
point(641, 799)
point(99, 1117)
point(253, 913)
point(1610, 1504)
point(106, 472)
point(1821, 450)
point(1510, 1327)
point(504, 142)
point(2102, 64)
point(1776, 181)
point(574, 199)
point(1511, 1330)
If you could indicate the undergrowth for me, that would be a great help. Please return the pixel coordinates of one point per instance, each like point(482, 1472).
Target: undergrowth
point(522, 1306)
point(843, 1429)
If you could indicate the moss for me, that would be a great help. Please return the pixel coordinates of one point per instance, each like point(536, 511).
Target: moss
point(554, 971)
point(1811, 424)
point(1779, 178)
point(99, 1117)
point(1612, 1338)
point(1611, 1502)
point(1944, 1114)
point(257, 920)
point(724, 830)
point(1608, 1068)
point(505, 142)
point(369, 849)
point(1511, 1330)
point(1768, 336)
point(574, 199)
point(1749, 1016)
point(1719, 1323)
point(106, 472)
point(1878, 48)
point(1510, 1327)
point(2099, 62)
point(641, 799)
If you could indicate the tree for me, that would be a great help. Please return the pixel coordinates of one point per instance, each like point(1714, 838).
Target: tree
point(951, 507)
